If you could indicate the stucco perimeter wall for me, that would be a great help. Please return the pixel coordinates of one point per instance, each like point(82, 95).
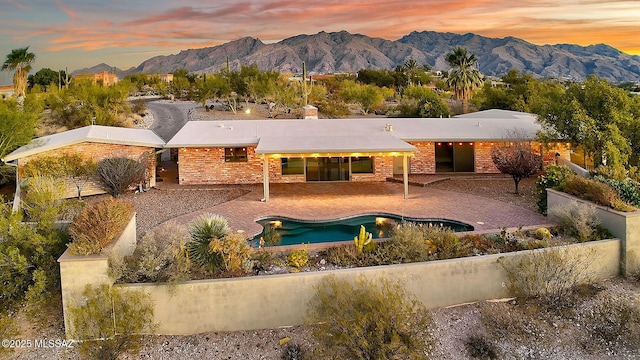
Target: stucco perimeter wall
point(281, 300)
point(77, 271)
point(623, 225)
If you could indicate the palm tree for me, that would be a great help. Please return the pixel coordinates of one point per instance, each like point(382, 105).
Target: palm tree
point(463, 77)
point(19, 60)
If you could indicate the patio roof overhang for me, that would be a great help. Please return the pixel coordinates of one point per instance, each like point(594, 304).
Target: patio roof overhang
point(300, 146)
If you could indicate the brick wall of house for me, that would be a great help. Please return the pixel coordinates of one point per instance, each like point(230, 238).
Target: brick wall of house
point(383, 169)
point(482, 158)
point(424, 160)
point(97, 152)
point(275, 173)
point(207, 166)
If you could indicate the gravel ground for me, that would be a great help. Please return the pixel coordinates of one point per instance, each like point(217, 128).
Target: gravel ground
point(497, 189)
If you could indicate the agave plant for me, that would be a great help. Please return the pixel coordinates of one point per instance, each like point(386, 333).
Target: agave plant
point(202, 231)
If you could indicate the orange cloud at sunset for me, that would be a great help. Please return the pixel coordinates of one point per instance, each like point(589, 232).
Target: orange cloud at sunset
point(76, 33)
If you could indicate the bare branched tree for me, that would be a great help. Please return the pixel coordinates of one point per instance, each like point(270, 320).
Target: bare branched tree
point(516, 158)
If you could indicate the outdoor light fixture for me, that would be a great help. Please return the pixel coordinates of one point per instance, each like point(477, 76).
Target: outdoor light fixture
point(380, 221)
point(276, 224)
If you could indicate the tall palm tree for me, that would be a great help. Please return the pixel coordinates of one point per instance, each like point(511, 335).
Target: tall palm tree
point(463, 77)
point(19, 60)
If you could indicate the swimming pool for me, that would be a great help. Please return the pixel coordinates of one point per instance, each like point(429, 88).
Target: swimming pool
point(295, 232)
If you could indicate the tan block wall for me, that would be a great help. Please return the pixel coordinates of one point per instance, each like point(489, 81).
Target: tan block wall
point(281, 300)
point(424, 160)
point(623, 225)
point(77, 271)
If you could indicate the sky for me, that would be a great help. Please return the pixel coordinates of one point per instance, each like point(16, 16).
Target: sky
point(75, 34)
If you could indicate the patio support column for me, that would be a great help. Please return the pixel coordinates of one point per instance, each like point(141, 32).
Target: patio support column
point(265, 177)
point(405, 175)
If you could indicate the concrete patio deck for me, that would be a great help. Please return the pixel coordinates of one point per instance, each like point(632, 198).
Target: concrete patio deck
point(327, 201)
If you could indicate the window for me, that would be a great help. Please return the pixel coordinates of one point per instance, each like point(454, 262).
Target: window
point(362, 165)
point(238, 154)
point(292, 166)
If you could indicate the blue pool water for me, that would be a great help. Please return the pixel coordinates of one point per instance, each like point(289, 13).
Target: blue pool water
point(295, 232)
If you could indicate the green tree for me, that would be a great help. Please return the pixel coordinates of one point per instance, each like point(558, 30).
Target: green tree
point(598, 117)
point(19, 60)
point(420, 101)
point(368, 97)
point(45, 77)
point(17, 127)
point(464, 78)
point(380, 78)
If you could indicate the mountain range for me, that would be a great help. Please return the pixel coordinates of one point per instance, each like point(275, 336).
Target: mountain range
point(345, 52)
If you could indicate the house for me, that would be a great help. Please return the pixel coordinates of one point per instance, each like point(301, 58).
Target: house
point(105, 78)
point(6, 91)
point(285, 151)
point(96, 142)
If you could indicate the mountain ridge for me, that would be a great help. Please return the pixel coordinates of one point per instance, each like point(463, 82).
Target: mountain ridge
point(334, 52)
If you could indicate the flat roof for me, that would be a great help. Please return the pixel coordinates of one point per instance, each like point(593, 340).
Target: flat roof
point(91, 133)
point(353, 135)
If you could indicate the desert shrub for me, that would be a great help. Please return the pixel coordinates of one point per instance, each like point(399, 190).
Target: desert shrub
point(107, 321)
point(333, 109)
point(627, 191)
point(594, 191)
point(42, 198)
point(118, 174)
point(479, 347)
point(576, 219)
point(409, 244)
point(233, 250)
point(447, 244)
point(548, 275)
point(371, 319)
point(298, 258)
point(201, 231)
point(618, 173)
point(8, 330)
point(342, 255)
point(612, 319)
point(157, 258)
point(552, 178)
point(7, 174)
point(97, 225)
point(28, 259)
point(271, 236)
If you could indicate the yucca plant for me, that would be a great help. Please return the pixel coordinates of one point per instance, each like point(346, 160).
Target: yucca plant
point(202, 231)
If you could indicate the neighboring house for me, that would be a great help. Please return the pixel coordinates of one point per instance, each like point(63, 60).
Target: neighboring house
point(263, 151)
point(95, 142)
point(166, 77)
point(6, 91)
point(105, 78)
